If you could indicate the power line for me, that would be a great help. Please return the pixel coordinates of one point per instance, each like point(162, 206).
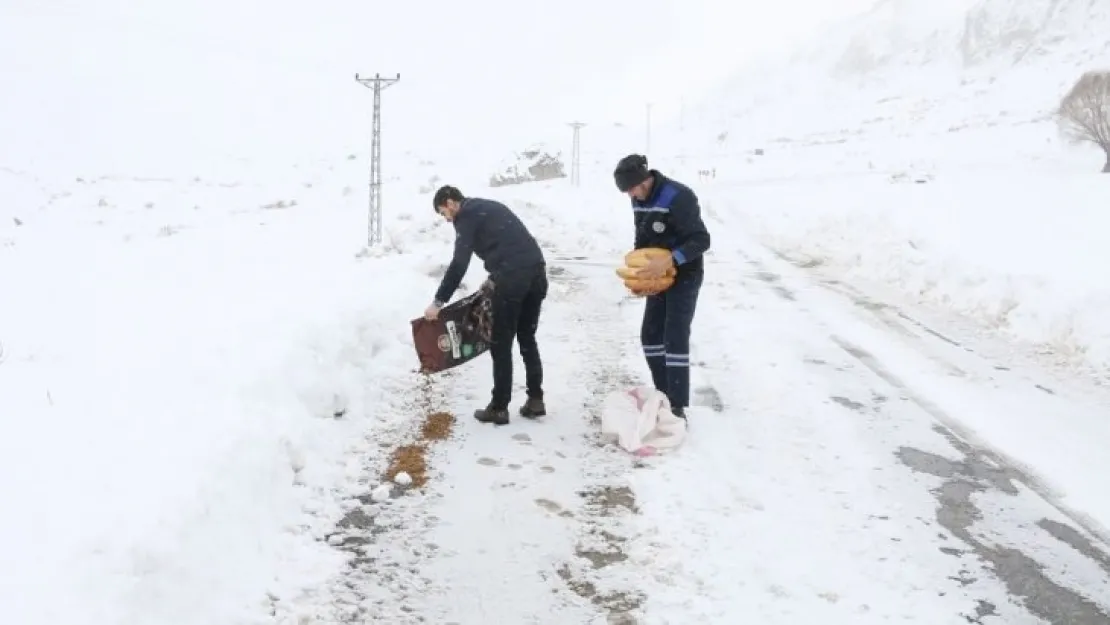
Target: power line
point(576, 155)
point(377, 83)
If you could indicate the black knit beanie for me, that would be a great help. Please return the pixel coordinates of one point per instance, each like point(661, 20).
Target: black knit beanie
point(631, 171)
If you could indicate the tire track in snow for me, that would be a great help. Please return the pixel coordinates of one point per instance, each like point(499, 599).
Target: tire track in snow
point(978, 471)
point(600, 570)
point(938, 347)
point(925, 340)
point(1031, 568)
point(375, 532)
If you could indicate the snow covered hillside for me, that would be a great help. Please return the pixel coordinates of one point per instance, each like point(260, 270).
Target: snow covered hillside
point(914, 146)
point(921, 69)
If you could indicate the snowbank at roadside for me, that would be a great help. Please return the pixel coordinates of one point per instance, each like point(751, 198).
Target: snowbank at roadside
point(184, 366)
point(1025, 255)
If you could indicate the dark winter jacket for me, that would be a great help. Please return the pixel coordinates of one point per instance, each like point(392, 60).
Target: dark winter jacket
point(671, 218)
point(496, 235)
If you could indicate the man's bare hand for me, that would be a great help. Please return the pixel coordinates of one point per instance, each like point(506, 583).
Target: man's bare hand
point(656, 268)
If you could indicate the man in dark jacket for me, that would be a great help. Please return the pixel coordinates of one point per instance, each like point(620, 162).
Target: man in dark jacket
point(666, 214)
point(518, 285)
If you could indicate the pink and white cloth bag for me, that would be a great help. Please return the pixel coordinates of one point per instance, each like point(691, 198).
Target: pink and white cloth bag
point(640, 421)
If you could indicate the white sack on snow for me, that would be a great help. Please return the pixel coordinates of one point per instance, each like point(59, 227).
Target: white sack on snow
point(641, 422)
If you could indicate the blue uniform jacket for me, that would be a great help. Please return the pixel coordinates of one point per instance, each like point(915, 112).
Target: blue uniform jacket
point(671, 218)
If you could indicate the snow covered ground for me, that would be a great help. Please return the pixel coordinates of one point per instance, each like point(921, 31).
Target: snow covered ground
point(217, 395)
point(900, 361)
point(836, 471)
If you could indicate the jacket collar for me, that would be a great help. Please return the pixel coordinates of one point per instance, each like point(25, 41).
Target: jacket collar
point(658, 182)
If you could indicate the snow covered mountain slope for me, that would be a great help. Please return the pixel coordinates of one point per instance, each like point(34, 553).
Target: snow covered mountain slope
point(935, 65)
point(967, 35)
point(915, 146)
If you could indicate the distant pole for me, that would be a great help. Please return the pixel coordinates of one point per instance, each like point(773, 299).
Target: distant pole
point(648, 149)
point(377, 83)
point(576, 156)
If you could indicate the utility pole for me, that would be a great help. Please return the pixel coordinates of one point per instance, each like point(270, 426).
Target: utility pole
point(377, 83)
point(576, 156)
point(648, 150)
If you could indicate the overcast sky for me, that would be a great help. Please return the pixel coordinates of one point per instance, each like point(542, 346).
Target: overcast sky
point(472, 72)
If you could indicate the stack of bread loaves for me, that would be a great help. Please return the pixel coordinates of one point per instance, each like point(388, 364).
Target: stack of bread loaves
point(636, 259)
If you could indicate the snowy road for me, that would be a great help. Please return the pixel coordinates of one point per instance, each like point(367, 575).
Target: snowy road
point(827, 479)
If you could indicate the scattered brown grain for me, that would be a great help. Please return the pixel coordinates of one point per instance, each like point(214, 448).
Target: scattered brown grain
point(437, 426)
point(409, 459)
point(412, 459)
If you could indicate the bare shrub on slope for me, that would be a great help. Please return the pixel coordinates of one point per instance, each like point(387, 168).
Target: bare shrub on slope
point(1084, 113)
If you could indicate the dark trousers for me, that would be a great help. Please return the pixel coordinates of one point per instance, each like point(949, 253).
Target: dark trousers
point(665, 335)
point(517, 298)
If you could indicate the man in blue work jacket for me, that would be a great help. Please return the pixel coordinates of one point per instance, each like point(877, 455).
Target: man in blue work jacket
point(666, 214)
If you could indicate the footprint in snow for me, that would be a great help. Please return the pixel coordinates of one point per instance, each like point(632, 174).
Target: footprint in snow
point(553, 507)
point(514, 466)
point(549, 505)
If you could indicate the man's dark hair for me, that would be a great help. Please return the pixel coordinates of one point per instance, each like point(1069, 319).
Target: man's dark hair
point(444, 193)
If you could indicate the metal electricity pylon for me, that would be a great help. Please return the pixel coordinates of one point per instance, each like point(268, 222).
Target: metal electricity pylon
point(377, 83)
point(576, 155)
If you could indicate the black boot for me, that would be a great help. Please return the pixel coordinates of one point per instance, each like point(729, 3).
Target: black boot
point(492, 414)
point(533, 408)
